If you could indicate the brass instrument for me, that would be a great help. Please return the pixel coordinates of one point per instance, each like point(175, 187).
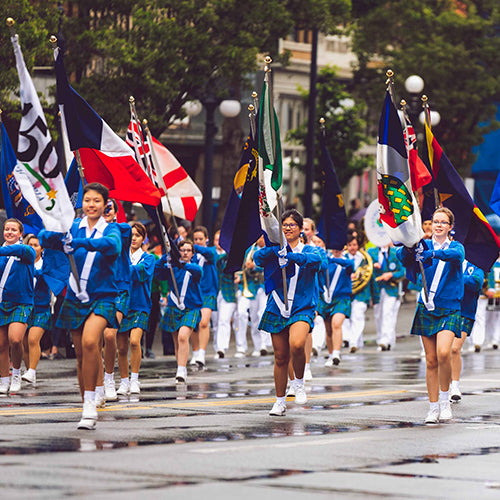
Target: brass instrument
point(363, 274)
point(246, 291)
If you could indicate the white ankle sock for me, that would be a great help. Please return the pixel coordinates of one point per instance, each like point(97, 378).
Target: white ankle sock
point(108, 376)
point(99, 390)
point(299, 382)
point(134, 376)
point(31, 372)
point(454, 384)
point(434, 406)
point(335, 354)
point(89, 396)
point(125, 380)
point(444, 395)
point(281, 400)
point(16, 371)
point(5, 380)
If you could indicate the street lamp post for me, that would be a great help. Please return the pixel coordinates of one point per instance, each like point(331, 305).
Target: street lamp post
point(414, 85)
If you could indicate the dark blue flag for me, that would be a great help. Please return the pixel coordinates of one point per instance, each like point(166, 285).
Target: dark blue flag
point(332, 226)
point(74, 185)
point(495, 197)
point(15, 203)
point(241, 224)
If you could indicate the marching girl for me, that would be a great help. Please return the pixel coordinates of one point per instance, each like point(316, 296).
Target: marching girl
point(335, 301)
point(438, 319)
point(206, 257)
point(16, 301)
point(182, 314)
point(289, 327)
point(89, 306)
point(473, 281)
point(41, 318)
point(105, 390)
point(136, 321)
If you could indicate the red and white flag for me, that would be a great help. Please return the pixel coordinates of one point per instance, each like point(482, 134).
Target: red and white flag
point(419, 173)
point(163, 168)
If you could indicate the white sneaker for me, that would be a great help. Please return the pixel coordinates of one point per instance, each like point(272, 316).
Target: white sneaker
point(29, 377)
point(278, 409)
point(4, 387)
point(432, 417)
point(256, 354)
point(15, 383)
point(124, 389)
point(135, 387)
point(307, 374)
point(455, 395)
point(445, 411)
point(291, 389)
point(89, 416)
point(300, 395)
point(239, 354)
point(329, 362)
point(194, 359)
point(180, 378)
point(109, 390)
point(100, 401)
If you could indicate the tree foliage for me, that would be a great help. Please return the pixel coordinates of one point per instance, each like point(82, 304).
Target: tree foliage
point(344, 127)
point(452, 45)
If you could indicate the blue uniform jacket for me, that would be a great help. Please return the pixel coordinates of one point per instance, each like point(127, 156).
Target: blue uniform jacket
point(19, 285)
point(389, 265)
point(193, 297)
point(473, 281)
point(102, 278)
point(309, 261)
point(343, 288)
point(210, 281)
point(450, 290)
point(141, 280)
point(123, 272)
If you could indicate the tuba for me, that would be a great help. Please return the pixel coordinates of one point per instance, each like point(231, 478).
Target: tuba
point(363, 274)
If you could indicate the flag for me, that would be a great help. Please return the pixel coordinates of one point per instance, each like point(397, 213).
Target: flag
point(73, 183)
point(419, 174)
point(495, 197)
point(241, 224)
point(15, 204)
point(106, 158)
point(270, 172)
point(37, 171)
point(472, 229)
point(181, 197)
point(332, 225)
point(399, 212)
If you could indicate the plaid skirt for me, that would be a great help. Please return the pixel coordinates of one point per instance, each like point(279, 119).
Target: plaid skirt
point(122, 302)
point(73, 314)
point(134, 319)
point(42, 319)
point(272, 323)
point(10, 312)
point(467, 325)
point(174, 318)
point(428, 323)
point(341, 305)
point(209, 302)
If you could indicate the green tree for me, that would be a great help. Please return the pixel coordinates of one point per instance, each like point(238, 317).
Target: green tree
point(452, 45)
point(344, 127)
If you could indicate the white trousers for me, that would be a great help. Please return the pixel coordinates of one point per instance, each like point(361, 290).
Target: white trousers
point(352, 328)
point(255, 307)
point(226, 312)
point(478, 333)
point(319, 333)
point(386, 316)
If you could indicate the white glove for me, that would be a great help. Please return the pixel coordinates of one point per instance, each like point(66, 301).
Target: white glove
point(283, 261)
point(67, 239)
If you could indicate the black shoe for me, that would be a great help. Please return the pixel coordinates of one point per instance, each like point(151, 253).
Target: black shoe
point(388, 347)
point(221, 354)
point(477, 348)
point(345, 343)
point(150, 354)
point(314, 351)
point(263, 352)
point(336, 361)
point(495, 346)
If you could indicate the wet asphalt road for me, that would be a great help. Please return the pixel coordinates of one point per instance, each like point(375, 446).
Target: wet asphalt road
point(359, 436)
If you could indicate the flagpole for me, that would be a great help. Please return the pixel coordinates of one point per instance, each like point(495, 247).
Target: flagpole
point(427, 115)
point(267, 79)
point(323, 135)
point(251, 117)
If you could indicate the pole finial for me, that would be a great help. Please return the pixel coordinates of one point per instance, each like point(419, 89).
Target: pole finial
point(322, 121)
point(251, 107)
point(424, 100)
point(402, 103)
point(145, 122)
point(131, 99)
point(10, 22)
point(389, 73)
point(268, 62)
point(53, 39)
point(254, 95)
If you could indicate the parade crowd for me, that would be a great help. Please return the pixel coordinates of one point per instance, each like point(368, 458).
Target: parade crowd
point(118, 284)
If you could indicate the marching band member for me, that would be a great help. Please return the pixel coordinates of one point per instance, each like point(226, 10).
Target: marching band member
point(90, 305)
point(16, 301)
point(437, 318)
point(206, 257)
point(388, 273)
point(493, 307)
point(252, 300)
point(182, 314)
point(290, 326)
point(335, 301)
point(473, 281)
point(354, 326)
point(136, 321)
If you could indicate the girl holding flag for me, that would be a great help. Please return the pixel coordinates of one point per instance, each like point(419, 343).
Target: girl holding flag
point(136, 321)
point(89, 306)
point(182, 314)
point(290, 325)
point(16, 301)
point(437, 318)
